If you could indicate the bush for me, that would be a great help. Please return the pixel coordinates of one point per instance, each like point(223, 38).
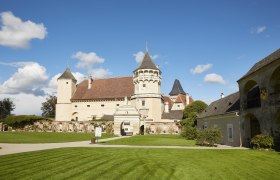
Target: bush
point(22, 120)
point(158, 130)
point(189, 132)
point(208, 137)
point(262, 141)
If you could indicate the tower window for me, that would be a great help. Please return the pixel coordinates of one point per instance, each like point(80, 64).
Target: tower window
point(76, 106)
point(144, 85)
point(102, 105)
point(66, 82)
point(118, 104)
point(143, 103)
point(88, 105)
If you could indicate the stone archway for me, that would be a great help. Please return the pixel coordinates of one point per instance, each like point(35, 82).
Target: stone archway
point(274, 81)
point(142, 129)
point(252, 94)
point(252, 127)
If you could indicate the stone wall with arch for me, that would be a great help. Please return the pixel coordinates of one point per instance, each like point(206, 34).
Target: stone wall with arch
point(260, 97)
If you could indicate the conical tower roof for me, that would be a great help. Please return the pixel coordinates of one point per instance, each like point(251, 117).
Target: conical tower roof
point(67, 75)
point(147, 63)
point(177, 88)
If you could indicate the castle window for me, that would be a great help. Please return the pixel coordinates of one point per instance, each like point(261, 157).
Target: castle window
point(144, 85)
point(118, 104)
point(178, 105)
point(230, 132)
point(88, 105)
point(66, 82)
point(102, 105)
point(76, 118)
point(143, 103)
point(76, 106)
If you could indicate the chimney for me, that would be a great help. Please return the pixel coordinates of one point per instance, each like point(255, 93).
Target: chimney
point(89, 82)
point(222, 95)
point(125, 100)
point(187, 99)
point(166, 107)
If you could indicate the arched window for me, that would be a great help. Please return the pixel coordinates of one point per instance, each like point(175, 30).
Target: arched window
point(252, 92)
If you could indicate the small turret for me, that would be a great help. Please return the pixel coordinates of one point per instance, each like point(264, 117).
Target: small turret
point(66, 86)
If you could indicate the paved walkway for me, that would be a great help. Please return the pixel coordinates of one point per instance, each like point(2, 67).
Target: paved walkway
point(18, 148)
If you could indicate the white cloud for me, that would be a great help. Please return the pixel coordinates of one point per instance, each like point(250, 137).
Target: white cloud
point(29, 78)
point(17, 33)
point(100, 73)
point(139, 56)
point(214, 78)
point(25, 103)
point(87, 60)
point(201, 68)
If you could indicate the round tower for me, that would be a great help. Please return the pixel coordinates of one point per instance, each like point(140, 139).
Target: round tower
point(66, 87)
point(147, 97)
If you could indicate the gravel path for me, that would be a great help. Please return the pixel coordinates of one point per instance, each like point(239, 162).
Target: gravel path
point(18, 148)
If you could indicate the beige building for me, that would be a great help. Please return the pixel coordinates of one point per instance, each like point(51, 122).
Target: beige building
point(224, 115)
point(136, 100)
point(259, 106)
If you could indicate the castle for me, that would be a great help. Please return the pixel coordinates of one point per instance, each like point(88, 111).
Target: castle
point(133, 103)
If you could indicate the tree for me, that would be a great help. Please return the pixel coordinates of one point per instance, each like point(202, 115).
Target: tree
point(48, 107)
point(188, 123)
point(6, 107)
point(195, 108)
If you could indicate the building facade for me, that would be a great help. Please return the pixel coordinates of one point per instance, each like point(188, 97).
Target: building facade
point(133, 99)
point(259, 105)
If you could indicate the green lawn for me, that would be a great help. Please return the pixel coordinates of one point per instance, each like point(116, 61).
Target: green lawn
point(137, 163)
point(154, 140)
point(46, 137)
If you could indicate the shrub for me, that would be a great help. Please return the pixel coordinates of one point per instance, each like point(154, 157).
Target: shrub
point(22, 120)
point(208, 137)
point(262, 141)
point(189, 132)
point(158, 130)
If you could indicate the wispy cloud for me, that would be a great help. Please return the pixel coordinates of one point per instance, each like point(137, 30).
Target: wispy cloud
point(201, 68)
point(258, 30)
point(17, 33)
point(214, 79)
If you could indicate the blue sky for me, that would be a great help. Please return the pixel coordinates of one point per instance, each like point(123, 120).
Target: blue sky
point(39, 38)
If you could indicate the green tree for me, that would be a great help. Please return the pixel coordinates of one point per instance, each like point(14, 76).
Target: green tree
point(193, 109)
point(188, 123)
point(6, 107)
point(48, 107)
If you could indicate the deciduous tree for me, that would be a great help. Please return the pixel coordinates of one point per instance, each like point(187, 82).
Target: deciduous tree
point(48, 107)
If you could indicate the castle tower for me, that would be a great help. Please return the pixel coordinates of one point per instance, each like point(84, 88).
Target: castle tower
point(176, 90)
point(147, 81)
point(66, 86)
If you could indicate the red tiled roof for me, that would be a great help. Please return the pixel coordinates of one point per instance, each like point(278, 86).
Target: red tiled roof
point(117, 87)
point(181, 99)
point(167, 99)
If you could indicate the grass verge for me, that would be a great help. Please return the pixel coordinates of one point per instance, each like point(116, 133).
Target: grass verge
point(46, 137)
point(154, 140)
point(136, 163)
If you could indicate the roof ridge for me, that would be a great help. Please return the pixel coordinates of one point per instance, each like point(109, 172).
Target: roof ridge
point(113, 77)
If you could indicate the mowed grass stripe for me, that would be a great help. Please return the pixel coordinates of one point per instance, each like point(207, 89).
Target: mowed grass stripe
point(49, 159)
point(47, 137)
point(154, 140)
point(127, 163)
